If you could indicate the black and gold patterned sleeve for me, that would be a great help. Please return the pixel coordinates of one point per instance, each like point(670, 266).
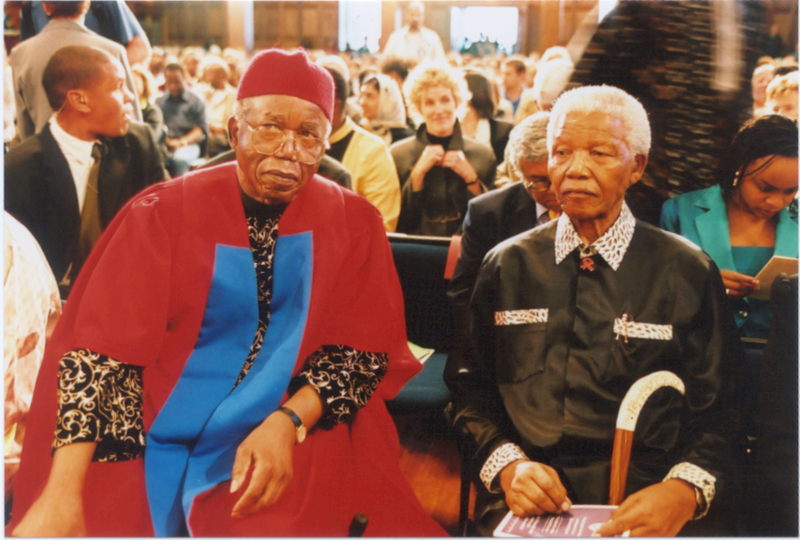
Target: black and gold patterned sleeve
point(100, 400)
point(344, 378)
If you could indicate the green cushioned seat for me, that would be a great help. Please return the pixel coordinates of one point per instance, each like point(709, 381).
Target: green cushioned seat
point(420, 264)
point(425, 392)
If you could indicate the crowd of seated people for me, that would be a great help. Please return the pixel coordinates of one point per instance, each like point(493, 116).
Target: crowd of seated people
point(455, 146)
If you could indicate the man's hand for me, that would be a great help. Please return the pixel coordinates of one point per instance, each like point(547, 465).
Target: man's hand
point(533, 489)
point(431, 156)
point(174, 144)
point(266, 455)
point(738, 285)
point(456, 160)
point(53, 515)
point(658, 510)
point(58, 511)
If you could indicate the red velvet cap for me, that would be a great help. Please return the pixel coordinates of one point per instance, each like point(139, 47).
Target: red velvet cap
point(275, 71)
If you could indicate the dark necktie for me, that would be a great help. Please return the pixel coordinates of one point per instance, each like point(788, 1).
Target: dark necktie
point(90, 215)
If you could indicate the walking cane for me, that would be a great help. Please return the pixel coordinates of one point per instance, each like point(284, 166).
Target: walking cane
point(629, 411)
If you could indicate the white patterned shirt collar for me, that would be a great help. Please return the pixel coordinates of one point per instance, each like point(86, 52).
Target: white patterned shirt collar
point(611, 246)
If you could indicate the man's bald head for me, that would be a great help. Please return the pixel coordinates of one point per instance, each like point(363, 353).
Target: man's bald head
point(72, 68)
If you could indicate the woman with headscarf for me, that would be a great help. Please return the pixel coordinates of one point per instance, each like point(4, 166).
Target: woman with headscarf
point(382, 108)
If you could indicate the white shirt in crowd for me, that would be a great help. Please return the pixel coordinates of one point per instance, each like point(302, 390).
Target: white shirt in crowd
point(78, 154)
point(423, 45)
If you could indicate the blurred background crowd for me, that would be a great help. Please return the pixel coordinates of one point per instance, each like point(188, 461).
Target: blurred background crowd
point(700, 68)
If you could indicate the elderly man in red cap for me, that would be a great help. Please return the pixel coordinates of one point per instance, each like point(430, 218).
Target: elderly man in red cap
point(223, 360)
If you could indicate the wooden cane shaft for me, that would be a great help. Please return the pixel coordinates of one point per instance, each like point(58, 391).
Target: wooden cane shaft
point(620, 459)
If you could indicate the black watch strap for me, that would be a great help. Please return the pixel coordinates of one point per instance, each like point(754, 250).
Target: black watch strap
point(293, 415)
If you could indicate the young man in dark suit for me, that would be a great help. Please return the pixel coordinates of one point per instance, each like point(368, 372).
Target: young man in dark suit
point(66, 183)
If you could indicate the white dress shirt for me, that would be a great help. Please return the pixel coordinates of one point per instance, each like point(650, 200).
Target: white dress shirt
point(78, 154)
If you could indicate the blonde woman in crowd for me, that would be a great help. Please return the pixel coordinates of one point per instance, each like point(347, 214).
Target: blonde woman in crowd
point(439, 169)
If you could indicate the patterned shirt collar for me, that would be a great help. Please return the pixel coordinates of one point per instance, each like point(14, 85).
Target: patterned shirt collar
point(611, 246)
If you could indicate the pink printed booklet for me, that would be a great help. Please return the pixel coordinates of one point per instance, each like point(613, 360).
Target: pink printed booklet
point(580, 520)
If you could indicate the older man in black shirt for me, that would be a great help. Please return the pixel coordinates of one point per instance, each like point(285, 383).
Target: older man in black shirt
point(566, 317)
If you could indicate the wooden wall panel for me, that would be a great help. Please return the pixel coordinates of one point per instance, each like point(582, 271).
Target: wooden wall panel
point(191, 23)
point(313, 24)
point(310, 24)
point(289, 22)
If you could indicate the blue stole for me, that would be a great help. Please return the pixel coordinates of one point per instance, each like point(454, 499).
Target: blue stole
point(192, 443)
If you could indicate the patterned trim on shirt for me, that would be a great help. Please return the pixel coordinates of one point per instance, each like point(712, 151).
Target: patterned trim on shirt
point(699, 478)
point(502, 456)
point(611, 246)
point(520, 316)
point(263, 234)
point(344, 378)
point(100, 400)
point(627, 328)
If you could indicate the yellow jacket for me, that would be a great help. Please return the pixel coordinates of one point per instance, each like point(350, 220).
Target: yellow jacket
point(372, 169)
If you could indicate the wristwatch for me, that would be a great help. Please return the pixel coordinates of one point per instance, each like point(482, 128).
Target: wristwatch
point(700, 501)
point(299, 426)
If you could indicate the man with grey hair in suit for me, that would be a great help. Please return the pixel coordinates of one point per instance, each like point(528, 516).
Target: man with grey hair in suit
point(500, 214)
point(29, 58)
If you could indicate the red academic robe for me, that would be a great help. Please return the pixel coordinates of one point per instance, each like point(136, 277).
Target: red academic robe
point(170, 287)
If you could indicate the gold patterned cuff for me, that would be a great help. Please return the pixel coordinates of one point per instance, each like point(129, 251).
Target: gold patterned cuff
point(100, 400)
point(345, 379)
point(502, 456)
point(700, 479)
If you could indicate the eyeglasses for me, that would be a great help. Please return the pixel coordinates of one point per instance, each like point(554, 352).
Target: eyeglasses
point(270, 138)
point(537, 186)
